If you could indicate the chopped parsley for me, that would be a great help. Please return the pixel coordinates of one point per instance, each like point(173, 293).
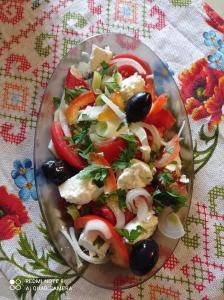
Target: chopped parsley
point(56, 101)
point(121, 195)
point(132, 235)
point(112, 86)
point(94, 172)
point(71, 94)
point(129, 153)
point(165, 178)
point(105, 68)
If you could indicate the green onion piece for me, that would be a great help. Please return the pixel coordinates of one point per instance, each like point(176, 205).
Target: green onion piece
point(96, 83)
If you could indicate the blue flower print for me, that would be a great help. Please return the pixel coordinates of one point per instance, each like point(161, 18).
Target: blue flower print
point(216, 61)
point(221, 46)
point(210, 38)
point(20, 168)
point(23, 175)
point(26, 184)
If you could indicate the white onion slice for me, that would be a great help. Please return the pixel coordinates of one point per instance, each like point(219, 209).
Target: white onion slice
point(121, 115)
point(140, 132)
point(155, 134)
point(170, 224)
point(78, 251)
point(131, 62)
point(119, 215)
point(92, 112)
point(52, 149)
point(98, 225)
point(142, 209)
point(64, 124)
point(133, 194)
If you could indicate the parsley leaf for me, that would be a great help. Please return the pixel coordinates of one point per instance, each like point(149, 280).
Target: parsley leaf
point(112, 86)
point(105, 68)
point(170, 198)
point(94, 172)
point(129, 152)
point(73, 211)
point(56, 101)
point(132, 235)
point(84, 151)
point(165, 178)
point(121, 195)
point(71, 94)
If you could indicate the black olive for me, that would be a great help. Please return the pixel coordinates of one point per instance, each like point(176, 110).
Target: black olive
point(58, 171)
point(143, 257)
point(138, 106)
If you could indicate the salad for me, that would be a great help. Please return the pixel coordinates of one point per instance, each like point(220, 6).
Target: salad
point(119, 174)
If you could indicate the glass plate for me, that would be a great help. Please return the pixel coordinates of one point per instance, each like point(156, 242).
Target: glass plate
point(108, 275)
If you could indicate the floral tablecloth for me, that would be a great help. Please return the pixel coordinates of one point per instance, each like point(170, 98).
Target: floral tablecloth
point(34, 36)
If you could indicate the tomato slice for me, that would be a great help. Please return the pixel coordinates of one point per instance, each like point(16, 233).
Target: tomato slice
point(135, 58)
point(64, 151)
point(110, 183)
point(127, 71)
point(78, 103)
point(171, 151)
point(112, 149)
point(106, 213)
point(72, 82)
point(119, 251)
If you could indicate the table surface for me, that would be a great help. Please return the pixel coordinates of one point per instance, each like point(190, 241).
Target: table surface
point(5, 292)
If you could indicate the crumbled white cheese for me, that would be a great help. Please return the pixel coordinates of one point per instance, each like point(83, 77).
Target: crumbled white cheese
point(146, 151)
point(87, 240)
point(132, 85)
point(75, 190)
point(98, 55)
point(184, 179)
point(139, 174)
point(149, 225)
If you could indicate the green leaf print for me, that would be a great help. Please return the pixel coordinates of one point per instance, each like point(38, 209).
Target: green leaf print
point(201, 157)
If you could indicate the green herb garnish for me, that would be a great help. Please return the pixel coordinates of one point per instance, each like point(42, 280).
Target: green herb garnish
point(121, 195)
point(105, 68)
point(166, 178)
point(94, 172)
point(132, 235)
point(56, 101)
point(129, 153)
point(112, 86)
point(71, 94)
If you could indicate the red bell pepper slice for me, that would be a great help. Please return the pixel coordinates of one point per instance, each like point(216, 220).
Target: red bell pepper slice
point(158, 105)
point(127, 71)
point(137, 59)
point(110, 183)
point(163, 120)
point(78, 103)
point(112, 150)
point(72, 82)
point(171, 151)
point(119, 251)
point(64, 151)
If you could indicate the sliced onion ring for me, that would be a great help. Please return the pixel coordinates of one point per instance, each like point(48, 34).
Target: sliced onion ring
point(142, 209)
point(98, 225)
point(170, 224)
point(140, 132)
point(155, 134)
point(119, 215)
point(121, 115)
point(131, 62)
point(78, 251)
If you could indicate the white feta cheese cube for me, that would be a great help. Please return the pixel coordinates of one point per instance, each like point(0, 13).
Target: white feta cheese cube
point(98, 55)
point(132, 85)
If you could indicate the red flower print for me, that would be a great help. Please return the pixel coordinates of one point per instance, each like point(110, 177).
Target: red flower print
point(13, 214)
point(11, 12)
point(214, 105)
point(214, 19)
point(198, 84)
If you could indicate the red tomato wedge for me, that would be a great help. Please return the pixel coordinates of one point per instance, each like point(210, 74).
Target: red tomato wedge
point(112, 149)
point(64, 151)
point(110, 183)
point(106, 213)
point(136, 59)
point(119, 251)
point(72, 82)
point(78, 103)
point(127, 71)
point(171, 151)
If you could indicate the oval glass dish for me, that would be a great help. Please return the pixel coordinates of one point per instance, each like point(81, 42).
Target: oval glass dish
point(52, 205)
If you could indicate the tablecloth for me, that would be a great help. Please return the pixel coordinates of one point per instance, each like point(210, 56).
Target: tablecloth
point(34, 36)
